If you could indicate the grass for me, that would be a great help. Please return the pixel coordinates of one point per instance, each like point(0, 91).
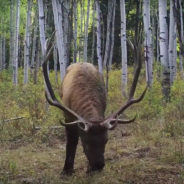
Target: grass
point(149, 151)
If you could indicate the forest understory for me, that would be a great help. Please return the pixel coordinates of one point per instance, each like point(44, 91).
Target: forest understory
point(148, 151)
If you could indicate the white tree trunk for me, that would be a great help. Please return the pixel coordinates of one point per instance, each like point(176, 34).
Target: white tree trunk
point(12, 27)
point(108, 34)
point(15, 55)
point(58, 20)
point(65, 11)
point(175, 54)
point(82, 26)
point(93, 35)
point(147, 42)
point(41, 27)
point(123, 47)
point(27, 42)
point(158, 46)
point(172, 45)
point(181, 58)
point(99, 49)
point(37, 61)
point(164, 48)
point(86, 33)
point(112, 34)
point(33, 59)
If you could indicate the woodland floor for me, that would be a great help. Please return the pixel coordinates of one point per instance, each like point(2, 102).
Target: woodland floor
point(127, 161)
point(149, 151)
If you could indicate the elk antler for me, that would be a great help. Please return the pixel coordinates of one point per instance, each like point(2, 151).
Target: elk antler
point(49, 93)
point(113, 120)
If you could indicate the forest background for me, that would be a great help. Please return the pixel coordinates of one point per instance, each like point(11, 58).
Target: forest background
point(133, 41)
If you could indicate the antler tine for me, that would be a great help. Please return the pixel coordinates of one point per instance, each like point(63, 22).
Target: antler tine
point(50, 96)
point(56, 103)
point(49, 41)
point(121, 121)
point(129, 103)
point(110, 124)
point(78, 122)
point(71, 123)
point(112, 121)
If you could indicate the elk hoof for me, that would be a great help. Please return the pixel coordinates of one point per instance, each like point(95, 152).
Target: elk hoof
point(67, 172)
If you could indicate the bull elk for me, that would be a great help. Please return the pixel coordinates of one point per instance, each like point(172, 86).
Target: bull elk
point(84, 102)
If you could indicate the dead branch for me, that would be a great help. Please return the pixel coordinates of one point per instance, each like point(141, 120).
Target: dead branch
point(11, 119)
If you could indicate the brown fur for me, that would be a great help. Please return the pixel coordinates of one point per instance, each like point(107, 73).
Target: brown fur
point(83, 91)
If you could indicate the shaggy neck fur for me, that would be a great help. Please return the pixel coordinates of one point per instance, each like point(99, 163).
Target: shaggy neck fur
point(83, 91)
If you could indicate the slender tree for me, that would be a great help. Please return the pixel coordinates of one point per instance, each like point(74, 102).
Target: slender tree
point(93, 34)
point(65, 12)
point(37, 61)
point(123, 47)
point(58, 20)
point(42, 27)
point(99, 49)
point(164, 48)
point(82, 20)
point(86, 33)
point(12, 31)
point(112, 34)
point(147, 42)
point(15, 54)
point(27, 42)
point(172, 45)
point(108, 33)
point(34, 45)
point(55, 63)
point(181, 42)
point(75, 31)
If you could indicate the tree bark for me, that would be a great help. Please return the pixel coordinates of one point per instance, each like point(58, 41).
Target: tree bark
point(181, 57)
point(12, 26)
point(148, 42)
point(75, 31)
point(86, 33)
point(35, 36)
point(37, 59)
point(108, 34)
point(112, 34)
point(15, 57)
point(58, 21)
point(27, 42)
point(164, 48)
point(41, 27)
point(123, 47)
point(99, 49)
point(172, 45)
point(55, 63)
point(65, 11)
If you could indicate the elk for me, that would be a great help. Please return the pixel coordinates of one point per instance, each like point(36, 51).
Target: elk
point(84, 102)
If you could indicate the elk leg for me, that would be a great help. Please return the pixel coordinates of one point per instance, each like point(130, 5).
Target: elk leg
point(71, 145)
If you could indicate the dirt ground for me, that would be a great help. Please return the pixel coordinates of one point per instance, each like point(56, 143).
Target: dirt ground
point(127, 161)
